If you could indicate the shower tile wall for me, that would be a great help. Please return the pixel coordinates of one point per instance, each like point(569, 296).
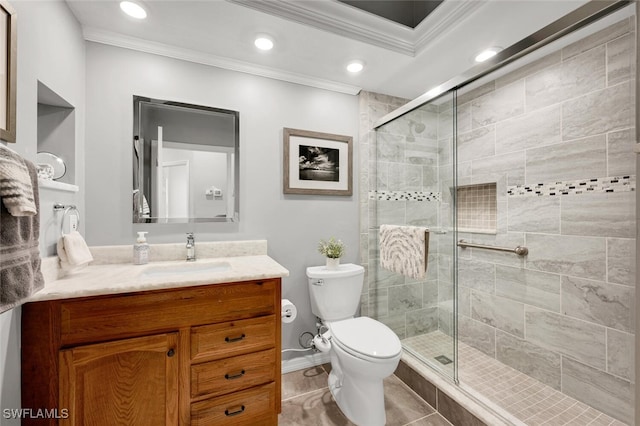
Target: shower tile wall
point(399, 186)
point(557, 137)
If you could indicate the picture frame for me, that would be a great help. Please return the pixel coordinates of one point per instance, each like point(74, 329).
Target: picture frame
point(8, 71)
point(317, 163)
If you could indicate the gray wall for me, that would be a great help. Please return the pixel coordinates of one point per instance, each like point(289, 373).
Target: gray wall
point(291, 224)
point(564, 314)
point(50, 50)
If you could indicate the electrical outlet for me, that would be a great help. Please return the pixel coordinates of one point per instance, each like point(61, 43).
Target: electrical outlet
point(73, 223)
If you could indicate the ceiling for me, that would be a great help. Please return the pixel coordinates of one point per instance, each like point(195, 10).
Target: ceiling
point(314, 39)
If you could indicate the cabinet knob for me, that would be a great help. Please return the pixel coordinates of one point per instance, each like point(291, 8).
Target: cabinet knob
point(171, 352)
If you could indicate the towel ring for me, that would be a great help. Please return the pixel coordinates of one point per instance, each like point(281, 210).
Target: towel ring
point(67, 210)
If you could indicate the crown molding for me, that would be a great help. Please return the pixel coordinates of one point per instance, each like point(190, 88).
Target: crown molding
point(114, 39)
point(442, 20)
point(341, 19)
point(348, 21)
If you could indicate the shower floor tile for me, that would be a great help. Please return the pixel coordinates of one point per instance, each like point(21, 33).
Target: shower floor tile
point(522, 397)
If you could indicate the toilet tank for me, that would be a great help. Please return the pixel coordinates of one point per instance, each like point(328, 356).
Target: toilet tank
point(335, 293)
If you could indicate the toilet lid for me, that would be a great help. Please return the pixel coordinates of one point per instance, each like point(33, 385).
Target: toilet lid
point(366, 336)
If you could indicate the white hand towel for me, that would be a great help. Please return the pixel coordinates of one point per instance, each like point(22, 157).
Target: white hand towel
point(404, 249)
point(73, 251)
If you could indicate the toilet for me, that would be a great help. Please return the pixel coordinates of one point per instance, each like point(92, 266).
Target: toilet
point(363, 351)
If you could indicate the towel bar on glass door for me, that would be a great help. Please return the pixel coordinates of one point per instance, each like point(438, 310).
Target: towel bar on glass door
point(67, 209)
point(519, 250)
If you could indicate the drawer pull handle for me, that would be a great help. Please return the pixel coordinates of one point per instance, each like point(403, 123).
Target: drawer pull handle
point(234, 339)
point(234, 376)
point(171, 352)
point(234, 413)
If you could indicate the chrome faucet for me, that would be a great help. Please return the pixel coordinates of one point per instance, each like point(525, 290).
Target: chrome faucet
point(191, 247)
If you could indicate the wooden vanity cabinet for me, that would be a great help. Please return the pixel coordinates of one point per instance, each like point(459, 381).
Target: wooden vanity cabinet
point(205, 355)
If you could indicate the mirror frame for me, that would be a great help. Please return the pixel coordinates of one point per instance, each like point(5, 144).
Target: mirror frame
point(137, 117)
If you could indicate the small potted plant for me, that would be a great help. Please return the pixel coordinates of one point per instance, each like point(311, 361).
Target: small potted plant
point(332, 250)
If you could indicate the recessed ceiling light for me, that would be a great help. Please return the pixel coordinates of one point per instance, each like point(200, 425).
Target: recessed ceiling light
point(355, 66)
point(487, 54)
point(263, 42)
point(133, 9)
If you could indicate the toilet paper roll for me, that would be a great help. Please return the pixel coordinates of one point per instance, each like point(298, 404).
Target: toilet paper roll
point(289, 311)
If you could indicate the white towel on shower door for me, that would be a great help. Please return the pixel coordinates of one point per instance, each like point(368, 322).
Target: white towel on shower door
point(404, 249)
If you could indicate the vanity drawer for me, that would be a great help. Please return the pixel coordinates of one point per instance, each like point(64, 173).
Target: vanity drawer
point(231, 374)
point(134, 314)
point(233, 338)
point(253, 407)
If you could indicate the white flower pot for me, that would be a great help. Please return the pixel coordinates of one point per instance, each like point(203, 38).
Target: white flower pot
point(333, 263)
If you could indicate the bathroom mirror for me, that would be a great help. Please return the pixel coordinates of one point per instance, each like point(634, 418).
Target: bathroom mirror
point(185, 162)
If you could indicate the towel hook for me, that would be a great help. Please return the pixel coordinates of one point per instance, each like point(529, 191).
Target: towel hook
point(67, 209)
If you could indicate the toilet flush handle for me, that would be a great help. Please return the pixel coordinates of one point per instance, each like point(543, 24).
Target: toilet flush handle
point(318, 282)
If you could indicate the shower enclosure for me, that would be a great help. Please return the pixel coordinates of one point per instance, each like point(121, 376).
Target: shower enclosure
point(536, 154)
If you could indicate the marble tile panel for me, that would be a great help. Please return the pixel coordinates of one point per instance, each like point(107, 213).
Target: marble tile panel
point(476, 274)
point(425, 389)
point(530, 287)
point(529, 69)
point(445, 292)
point(580, 159)
point(498, 105)
point(534, 214)
point(600, 215)
point(430, 293)
point(381, 277)
point(421, 151)
point(445, 123)
point(598, 112)
point(445, 269)
point(389, 147)
point(569, 255)
point(478, 335)
point(611, 32)
point(478, 143)
point(621, 59)
point(463, 118)
point(445, 321)
point(374, 246)
point(490, 169)
point(390, 213)
point(531, 130)
point(445, 151)
point(422, 213)
point(498, 312)
point(581, 340)
point(621, 160)
point(620, 354)
point(467, 95)
point(396, 323)
point(405, 298)
point(611, 305)
point(375, 111)
point(402, 405)
point(621, 261)
point(422, 321)
point(464, 301)
point(571, 78)
point(379, 302)
point(609, 394)
point(530, 359)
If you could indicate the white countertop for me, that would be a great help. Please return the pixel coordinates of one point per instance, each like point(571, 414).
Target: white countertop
point(117, 278)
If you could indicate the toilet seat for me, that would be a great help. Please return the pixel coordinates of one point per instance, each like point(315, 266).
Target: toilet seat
point(366, 338)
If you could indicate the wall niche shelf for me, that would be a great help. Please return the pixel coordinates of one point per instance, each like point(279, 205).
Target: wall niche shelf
point(57, 131)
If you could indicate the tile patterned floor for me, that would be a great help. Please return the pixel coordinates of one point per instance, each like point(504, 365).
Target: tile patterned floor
point(521, 396)
point(307, 401)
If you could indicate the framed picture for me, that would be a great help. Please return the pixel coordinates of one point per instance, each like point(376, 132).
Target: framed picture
point(8, 74)
point(317, 163)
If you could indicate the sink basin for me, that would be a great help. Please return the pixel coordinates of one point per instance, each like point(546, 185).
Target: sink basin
point(184, 269)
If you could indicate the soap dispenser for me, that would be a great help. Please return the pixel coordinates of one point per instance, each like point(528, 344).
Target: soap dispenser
point(141, 250)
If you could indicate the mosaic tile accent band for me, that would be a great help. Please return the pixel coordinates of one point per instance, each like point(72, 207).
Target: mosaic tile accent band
point(404, 196)
point(576, 187)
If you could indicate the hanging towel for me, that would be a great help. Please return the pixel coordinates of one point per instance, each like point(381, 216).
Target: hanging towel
point(16, 189)
point(73, 251)
point(404, 249)
point(20, 274)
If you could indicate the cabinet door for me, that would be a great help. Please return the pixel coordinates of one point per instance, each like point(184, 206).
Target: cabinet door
point(126, 382)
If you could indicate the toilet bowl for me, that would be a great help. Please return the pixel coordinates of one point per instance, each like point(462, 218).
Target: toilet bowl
point(363, 351)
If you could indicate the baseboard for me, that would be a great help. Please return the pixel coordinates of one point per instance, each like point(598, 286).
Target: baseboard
point(302, 362)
